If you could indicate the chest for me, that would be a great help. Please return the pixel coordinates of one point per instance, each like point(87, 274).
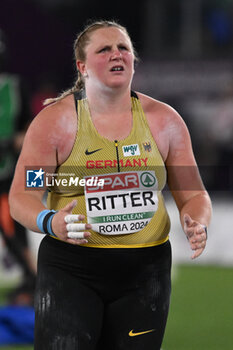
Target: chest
point(114, 127)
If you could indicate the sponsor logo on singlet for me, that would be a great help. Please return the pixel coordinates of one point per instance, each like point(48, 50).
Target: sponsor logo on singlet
point(131, 150)
point(123, 204)
point(93, 151)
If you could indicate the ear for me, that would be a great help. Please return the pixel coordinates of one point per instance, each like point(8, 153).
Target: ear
point(81, 67)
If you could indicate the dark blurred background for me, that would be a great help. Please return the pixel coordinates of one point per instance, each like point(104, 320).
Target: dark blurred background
point(185, 47)
point(186, 60)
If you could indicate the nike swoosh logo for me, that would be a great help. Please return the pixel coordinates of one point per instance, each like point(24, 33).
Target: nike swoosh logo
point(91, 152)
point(132, 334)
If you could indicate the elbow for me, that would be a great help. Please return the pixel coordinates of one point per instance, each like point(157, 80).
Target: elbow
point(206, 199)
point(201, 197)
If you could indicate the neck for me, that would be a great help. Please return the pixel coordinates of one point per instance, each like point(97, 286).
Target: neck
point(109, 101)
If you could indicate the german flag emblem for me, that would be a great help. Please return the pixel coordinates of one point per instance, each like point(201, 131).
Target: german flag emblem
point(147, 146)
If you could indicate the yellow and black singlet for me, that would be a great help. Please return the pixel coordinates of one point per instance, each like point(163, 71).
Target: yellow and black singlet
point(117, 183)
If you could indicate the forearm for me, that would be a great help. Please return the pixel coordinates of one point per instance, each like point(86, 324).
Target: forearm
point(199, 208)
point(25, 208)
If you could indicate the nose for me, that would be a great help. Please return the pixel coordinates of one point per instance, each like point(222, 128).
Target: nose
point(116, 54)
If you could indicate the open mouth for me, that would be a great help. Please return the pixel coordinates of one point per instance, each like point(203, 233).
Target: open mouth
point(117, 69)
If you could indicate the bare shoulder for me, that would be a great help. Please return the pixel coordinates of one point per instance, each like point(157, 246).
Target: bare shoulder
point(54, 129)
point(166, 124)
point(57, 117)
point(155, 109)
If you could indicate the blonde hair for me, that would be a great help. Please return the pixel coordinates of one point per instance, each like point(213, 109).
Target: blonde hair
point(80, 45)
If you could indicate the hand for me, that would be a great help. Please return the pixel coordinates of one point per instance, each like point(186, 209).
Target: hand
point(196, 235)
point(61, 228)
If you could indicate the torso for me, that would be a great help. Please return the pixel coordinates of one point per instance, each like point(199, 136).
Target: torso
point(137, 155)
point(155, 112)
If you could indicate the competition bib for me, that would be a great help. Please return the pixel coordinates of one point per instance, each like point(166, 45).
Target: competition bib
point(123, 203)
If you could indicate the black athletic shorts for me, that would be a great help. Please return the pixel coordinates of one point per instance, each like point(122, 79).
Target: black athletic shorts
point(101, 298)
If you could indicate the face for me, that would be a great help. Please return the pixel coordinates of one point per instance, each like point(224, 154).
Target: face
point(109, 58)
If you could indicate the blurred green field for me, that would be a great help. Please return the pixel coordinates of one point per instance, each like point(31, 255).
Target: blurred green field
point(201, 313)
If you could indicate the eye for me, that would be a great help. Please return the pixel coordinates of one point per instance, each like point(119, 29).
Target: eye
point(104, 49)
point(123, 47)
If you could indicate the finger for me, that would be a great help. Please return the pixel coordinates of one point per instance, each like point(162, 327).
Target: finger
point(195, 232)
point(199, 234)
point(187, 220)
point(73, 218)
point(75, 235)
point(190, 232)
point(70, 206)
point(198, 248)
point(76, 227)
point(77, 241)
point(199, 238)
point(197, 253)
point(205, 231)
point(198, 245)
point(201, 230)
point(78, 235)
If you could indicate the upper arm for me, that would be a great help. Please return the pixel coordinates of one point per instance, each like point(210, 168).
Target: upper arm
point(39, 150)
point(184, 179)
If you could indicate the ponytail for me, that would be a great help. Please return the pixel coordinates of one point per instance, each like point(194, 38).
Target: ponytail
point(79, 85)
